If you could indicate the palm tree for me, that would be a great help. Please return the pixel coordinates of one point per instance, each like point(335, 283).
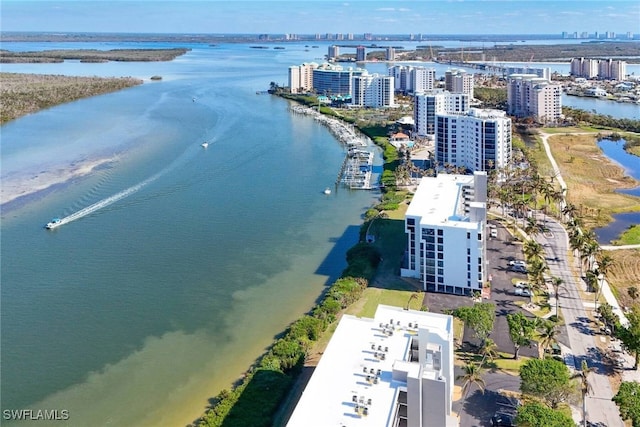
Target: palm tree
point(633, 293)
point(472, 375)
point(556, 282)
point(488, 350)
point(532, 227)
point(532, 250)
point(585, 388)
point(547, 335)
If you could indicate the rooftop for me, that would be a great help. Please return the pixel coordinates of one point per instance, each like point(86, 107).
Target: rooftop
point(355, 371)
point(437, 200)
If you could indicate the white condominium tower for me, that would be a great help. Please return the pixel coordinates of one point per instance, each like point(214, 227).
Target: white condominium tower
point(445, 226)
point(531, 96)
point(372, 90)
point(301, 77)
point(409, 79)
point(430, 103)
point(458, 81)
point(479, 140)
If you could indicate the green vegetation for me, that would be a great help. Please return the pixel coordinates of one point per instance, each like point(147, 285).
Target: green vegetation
point(534, 414)
point(92, 55)
point(548, 380)
point(600, 120)
point(522, 330)
point(23, 94)
point(479, 317)
point(630, 334)
point(632, 144)
point(628, 400)
point(491, 97)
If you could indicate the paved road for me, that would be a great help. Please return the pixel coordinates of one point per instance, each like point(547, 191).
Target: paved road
point(600, 408)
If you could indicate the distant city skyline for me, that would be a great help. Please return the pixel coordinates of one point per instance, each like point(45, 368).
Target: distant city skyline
point(321, 16)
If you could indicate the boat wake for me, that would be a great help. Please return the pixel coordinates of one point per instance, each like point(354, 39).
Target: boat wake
point(57, 222)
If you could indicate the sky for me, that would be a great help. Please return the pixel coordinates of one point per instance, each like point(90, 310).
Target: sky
point(322, 16)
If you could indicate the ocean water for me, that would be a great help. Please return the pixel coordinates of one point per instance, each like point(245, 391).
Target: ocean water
point(139, 312)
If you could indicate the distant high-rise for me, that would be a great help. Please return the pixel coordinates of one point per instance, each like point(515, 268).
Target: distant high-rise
point(361, 54)
point(329, 79)
point(301, 77)
point(531, 96)
point(458, 81)
point(595, 68)
point(372, 90)
point(390, 54)
point(333, 52)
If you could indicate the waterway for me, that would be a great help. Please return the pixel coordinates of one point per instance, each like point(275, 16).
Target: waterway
point(631, 164)
point(139, 312)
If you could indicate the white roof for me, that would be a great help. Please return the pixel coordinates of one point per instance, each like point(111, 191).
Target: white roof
point(327, 400)
point(436, 201)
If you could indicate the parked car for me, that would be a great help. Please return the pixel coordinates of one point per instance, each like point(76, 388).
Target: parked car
point(515, 262)
point(503, 419)
point(521, 285)
point(493, 231)
point(525, 292)
point(519, 269)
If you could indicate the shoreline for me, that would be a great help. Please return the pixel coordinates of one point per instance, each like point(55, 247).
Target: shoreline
point(21, 189)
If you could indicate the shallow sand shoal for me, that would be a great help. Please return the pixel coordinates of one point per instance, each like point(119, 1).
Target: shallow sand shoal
point(28, 184)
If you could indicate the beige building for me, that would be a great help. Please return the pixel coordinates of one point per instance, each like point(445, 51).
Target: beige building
point(301, 77)
point(531, 96)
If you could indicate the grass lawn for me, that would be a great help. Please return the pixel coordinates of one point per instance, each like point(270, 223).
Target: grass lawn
point(366, 306)
point(504, 361)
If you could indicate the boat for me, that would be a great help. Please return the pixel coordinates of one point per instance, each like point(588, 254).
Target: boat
point(327, 191)
point(205, 144)
point(53, 223)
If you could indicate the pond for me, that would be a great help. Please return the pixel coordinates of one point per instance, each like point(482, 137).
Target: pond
point(614, 150)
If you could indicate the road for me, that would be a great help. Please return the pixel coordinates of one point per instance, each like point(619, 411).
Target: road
point(600, 408)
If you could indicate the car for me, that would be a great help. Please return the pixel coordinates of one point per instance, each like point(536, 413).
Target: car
point(518, 291)
point(521, 285)
point(519, 269)
point(526, 292)
point(503, 419)
point(515, 262)
point(605, 330)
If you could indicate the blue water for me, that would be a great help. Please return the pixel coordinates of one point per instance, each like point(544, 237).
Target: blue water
point(631, 164)
point(139, 312)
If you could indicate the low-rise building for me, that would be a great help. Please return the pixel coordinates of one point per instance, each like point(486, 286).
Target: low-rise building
point(396, 369)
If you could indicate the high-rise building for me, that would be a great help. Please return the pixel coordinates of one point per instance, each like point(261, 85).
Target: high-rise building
point(402, 77)
point(395, 369)
point(372, 90)
point(390, 54)
point(445, 227)
point(361, 53)
point(478, 141)
point(331, 79)
point(422, 79)
point(606, 69)
point(458, 81)
point(429, 103)
point(301, 77)
point(333, 52)
point(531, 96)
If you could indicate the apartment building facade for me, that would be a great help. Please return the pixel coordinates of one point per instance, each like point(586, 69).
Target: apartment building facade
point(409, 79)
point(445, 225)
point(301, 77)
point(331, 79)
point(531, 96)
point(479, 140)
point(605, 69)
point(458, 81)
point(428, 104)
point(372, 90)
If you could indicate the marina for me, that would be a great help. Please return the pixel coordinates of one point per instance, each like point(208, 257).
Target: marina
point(356, 172)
